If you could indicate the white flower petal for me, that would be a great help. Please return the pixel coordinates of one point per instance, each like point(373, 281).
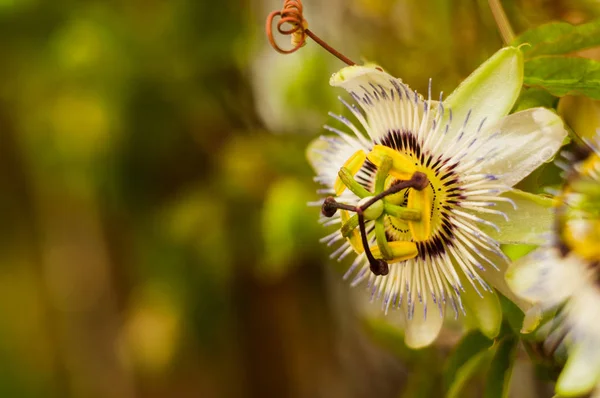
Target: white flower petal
point(387, 102)
point(327, 154)
point(546, 278)
point(316, 152)
point(518, 144)
point(581, 372)
point(488, 93)
point(423, 329)
point(582, 309)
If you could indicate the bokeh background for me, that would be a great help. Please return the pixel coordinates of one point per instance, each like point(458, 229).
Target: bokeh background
point(156, 240)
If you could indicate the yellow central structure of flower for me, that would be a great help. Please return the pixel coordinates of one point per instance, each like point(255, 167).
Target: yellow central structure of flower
point(440, 240)
point(413, 221)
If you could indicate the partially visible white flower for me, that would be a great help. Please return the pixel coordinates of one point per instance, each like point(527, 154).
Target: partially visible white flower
point(435, 242)
point(564, 276)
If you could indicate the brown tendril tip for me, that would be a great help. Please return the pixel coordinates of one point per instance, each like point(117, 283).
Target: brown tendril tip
point(292, 15)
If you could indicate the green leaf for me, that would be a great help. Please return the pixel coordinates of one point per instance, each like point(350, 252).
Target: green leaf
point(564, 75)
point(474, 365)
point(459, 365)
point(559, 38)
point(500, 372)
point(533, 98)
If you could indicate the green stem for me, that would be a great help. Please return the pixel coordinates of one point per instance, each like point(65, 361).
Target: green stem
point(508, 35)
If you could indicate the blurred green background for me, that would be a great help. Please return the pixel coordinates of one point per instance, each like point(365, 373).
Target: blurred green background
point(156, 238)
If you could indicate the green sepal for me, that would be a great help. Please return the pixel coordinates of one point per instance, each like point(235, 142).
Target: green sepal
point(533, 217)
point(489, 92)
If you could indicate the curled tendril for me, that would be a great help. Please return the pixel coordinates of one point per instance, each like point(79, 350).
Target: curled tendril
point(291, 14)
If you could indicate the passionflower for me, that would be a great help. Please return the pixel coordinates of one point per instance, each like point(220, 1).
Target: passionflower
point(421, 190)
point(563, 275)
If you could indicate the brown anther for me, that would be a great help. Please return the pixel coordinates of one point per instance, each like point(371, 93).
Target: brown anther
point(420, 181)
point(379, 267)
point(292, 15)
point(329, 207)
